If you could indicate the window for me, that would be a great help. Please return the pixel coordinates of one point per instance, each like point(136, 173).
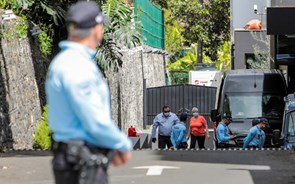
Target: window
point(250, 58)
point(243, 106)
point(291, 127)
point(253, 105)
point(285, 49)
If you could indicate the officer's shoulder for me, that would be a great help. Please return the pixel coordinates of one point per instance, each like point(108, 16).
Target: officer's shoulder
point(159, 115)
point(253, 129)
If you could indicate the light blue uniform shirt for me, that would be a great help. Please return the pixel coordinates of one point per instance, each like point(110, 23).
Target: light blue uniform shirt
point(164, 123)
point(79, 100)
point(178, 134)
point(222, 133)
point(255, 137)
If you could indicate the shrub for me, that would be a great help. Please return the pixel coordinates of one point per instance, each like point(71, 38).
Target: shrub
point(42, 137)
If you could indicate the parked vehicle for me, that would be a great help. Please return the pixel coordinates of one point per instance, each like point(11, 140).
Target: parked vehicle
point(287, 139)
point(248, 94)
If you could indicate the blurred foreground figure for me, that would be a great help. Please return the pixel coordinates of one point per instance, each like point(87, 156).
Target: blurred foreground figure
point(85, 140)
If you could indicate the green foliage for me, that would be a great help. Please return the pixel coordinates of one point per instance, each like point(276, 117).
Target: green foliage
point(223, 62)
point(46, 9)
point(49, 16)
point(178, 77)
point(161, 3)
point(22, 28)
point(122, 28)
point(42, 137)
point(209, 22)
point(120, 33)
point(3, 4)
point(185, 64)
point(7, 34)
point(45, 43)
point(180, 68)
point(173, 36)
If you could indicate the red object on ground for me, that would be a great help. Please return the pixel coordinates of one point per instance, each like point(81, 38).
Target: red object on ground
point(132, 132)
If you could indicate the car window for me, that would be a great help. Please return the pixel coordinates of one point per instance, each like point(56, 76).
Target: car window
point(243, 106)
point(291, 127)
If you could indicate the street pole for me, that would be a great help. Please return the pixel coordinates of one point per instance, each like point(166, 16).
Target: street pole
point(200, 44)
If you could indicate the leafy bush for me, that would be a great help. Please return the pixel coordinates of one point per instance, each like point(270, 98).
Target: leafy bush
point(22, 28)
point(45, 43)
point(42, 137)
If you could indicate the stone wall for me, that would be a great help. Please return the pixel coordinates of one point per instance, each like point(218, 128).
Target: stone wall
point(127, 85)
point(22, 72)
point(20, 105)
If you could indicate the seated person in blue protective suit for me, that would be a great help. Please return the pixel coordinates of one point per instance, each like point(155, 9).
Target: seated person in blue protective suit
point(256, 135)
point(178, 134)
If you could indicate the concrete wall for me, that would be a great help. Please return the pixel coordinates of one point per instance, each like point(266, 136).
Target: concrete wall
point(243, 11)
point(245, 43)
point(282, 3)
point(20, 106)
point(127, 85)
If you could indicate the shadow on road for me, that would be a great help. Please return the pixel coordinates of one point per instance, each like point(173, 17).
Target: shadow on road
point(281, 163)
point(25, 153)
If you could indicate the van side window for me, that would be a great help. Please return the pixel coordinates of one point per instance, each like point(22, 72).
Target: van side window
point(273, 106)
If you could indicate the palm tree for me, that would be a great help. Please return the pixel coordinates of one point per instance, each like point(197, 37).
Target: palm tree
point(121, 32)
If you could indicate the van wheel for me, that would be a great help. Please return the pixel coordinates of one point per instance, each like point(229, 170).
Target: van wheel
point(276, 137)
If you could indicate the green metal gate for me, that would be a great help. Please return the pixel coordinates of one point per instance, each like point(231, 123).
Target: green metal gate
point(152, 18)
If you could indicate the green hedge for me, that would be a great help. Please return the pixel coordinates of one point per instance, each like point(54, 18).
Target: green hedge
point(42, 137)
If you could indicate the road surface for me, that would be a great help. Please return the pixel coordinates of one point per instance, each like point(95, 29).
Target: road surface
point(175, 167)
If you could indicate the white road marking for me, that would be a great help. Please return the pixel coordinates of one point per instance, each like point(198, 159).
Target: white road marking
point(155, 169)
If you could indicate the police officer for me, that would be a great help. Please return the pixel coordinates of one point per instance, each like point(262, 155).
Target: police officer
point(164, 121)
point(256, 136)
point(178, 134)
point(222, 132)
point(84, 136)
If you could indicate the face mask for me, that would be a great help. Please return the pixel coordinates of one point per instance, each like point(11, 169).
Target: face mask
point(166, 114)
point(195, 114)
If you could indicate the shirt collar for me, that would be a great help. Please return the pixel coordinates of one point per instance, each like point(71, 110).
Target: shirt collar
point(223, 123)
point(258, 127)
point(84, 50)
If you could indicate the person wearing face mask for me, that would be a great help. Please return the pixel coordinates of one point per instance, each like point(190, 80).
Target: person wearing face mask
point(164, 122)
point(198, 129)
point(85, 139)
point(223, 133)
point(256, 136)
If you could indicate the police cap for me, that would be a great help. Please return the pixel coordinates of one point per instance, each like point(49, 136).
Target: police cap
point(228, 117)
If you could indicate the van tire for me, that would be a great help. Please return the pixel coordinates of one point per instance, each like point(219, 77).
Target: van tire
point(276, 137)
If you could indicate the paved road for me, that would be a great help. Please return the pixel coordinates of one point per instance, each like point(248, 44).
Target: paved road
point(230, 166)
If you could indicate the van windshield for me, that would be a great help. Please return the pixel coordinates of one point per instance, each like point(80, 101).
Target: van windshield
point(253, 105)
